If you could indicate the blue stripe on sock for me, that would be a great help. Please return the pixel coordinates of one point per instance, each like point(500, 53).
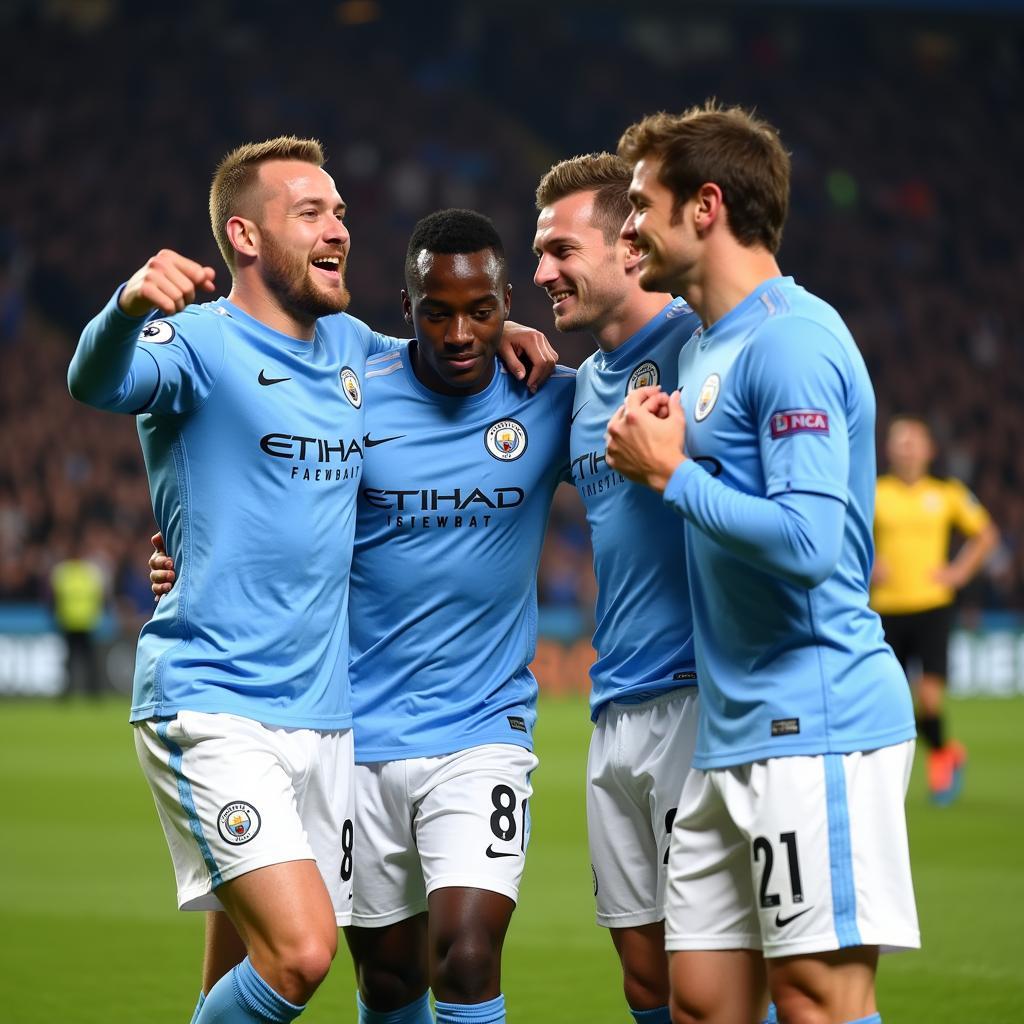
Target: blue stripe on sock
point(185, 796)
point(417, 1012)
point(844, 895)
point(259, 998)
point(491, 1012)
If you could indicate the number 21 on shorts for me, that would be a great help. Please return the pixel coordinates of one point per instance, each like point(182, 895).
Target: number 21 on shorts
point(762, 851)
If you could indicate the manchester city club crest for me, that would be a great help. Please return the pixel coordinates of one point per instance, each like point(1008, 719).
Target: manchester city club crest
point(644, 376)
point(707, 397)
point(350, 385)
point(505, 440)
point(238, 822)
point(157, 332)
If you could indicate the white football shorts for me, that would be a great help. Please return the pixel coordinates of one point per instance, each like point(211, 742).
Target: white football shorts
point(640, 755)
point(429, 823)
point(794, 855)
point(234, 795)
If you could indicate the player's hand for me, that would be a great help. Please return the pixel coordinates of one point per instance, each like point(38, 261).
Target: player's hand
point(655, 401)
point(645, 437)
point(950, 576)
point(161, 568)
point(167, 281)
point(521, 345)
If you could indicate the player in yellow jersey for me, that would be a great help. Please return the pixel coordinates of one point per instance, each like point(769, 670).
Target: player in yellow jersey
point(914, 583)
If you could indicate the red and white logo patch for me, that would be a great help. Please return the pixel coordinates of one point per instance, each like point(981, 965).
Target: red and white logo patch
point(799, 421)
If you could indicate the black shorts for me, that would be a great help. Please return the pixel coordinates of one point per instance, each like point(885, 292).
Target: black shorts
point(921, 636)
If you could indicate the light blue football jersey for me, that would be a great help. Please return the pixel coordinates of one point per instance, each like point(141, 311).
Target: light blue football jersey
point(453, 505)
point(644, 626)
point(253, 442)
point(777, 400)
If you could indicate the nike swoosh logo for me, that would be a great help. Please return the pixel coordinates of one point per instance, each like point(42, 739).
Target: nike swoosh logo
point(267, 381)
point(781, 922)
point(493, 854)
point(576, 412)
point(372, 442)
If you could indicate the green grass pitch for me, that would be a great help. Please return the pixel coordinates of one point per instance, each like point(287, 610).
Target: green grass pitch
point(89, 934)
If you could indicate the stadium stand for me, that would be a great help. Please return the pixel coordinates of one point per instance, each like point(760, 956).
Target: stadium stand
point(905, 133)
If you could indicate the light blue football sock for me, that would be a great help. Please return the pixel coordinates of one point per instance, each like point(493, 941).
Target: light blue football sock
point(772, 1016)
point(417, 1012)
point(491, 1012)
point(199, 1006)
point(659, 1015)
point(243, 997)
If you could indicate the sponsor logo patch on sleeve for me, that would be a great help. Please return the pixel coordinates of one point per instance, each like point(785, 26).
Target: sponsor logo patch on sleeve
point(157, 332)
point(798, 421)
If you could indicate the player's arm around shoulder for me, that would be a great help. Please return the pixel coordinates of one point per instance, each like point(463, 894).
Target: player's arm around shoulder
point(527, 354)
point(108, 369)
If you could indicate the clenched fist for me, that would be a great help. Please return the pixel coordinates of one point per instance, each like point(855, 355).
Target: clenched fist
point(167, 281)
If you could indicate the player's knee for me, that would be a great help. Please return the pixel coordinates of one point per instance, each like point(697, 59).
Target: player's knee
point(305, 964)
point(684, 1012)
point(391, 985)
point(697, 1004)
point(468, 969)
point(645, 985)
point(796, 1006)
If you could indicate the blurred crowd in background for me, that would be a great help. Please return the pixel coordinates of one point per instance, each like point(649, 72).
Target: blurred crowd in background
point(905, 129)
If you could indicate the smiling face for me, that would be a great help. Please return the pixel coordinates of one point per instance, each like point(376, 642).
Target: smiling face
point(660, 230)
point(458, 305)
point(583, 274)
point(303, 241)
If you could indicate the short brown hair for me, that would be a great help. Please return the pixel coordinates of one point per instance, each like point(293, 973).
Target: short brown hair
point(728, 146)
point(604, 174)
point(236, 174)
